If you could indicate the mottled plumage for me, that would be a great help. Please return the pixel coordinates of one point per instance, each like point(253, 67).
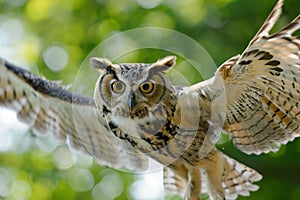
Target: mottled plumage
point(137, 113)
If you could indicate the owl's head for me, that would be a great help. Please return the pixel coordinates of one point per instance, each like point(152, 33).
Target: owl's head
point(134, 92)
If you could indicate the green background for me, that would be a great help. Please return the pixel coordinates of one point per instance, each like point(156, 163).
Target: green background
point(222, 27)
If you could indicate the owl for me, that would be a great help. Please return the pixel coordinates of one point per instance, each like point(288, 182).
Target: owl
point(136, 113)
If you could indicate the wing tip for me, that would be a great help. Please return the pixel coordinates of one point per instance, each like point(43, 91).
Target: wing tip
point(269, 22)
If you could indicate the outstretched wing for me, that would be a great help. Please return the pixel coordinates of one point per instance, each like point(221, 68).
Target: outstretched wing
point(262, 88)
point(49, 107)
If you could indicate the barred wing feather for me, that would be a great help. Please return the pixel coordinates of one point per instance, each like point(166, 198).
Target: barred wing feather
point(49, 107)
point(262, 89)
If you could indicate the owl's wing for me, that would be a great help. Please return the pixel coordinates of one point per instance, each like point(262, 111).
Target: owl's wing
point(48, 106)
point(262, 89)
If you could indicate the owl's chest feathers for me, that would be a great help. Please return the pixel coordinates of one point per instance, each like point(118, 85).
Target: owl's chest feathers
point(147, 128)
point(154, 129)
point(168, 132)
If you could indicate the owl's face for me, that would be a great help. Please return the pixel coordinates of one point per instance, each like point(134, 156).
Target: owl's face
point(134, 96)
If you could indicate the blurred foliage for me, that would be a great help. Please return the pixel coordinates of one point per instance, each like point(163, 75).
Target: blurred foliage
point(29, 29)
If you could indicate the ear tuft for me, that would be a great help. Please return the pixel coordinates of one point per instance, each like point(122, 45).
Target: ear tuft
point(168, 61)
point(100, 64)
point(164, 64)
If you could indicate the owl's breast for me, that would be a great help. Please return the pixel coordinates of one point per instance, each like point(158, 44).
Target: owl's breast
point(167, 143)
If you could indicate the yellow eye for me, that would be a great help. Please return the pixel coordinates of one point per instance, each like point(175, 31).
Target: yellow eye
point(117, 87)
point(146, 87)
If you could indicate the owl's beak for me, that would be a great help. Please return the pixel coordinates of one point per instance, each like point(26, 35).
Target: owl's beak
point(131, 101)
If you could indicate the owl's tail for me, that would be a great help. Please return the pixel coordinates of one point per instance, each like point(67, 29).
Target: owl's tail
point(238, 179)
point(218, 175)
point(226, 178)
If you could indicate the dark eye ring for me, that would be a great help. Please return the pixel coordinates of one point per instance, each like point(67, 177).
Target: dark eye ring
point(147, 87)
point(117, 87)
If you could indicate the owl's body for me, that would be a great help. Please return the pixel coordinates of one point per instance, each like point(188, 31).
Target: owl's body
point(137, 113)
point(170, 125)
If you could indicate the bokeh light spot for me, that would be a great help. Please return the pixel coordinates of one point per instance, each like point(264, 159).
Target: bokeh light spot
point(37, 10)
point(12, 130)
point(21, 190)
point(42, 189)
point(154, 188)
point(63, 158)
point(83, 180)
point(56, 58)
point(4, 182)
point(112, 185)
point(30, 49)
point(188, 13)
point(159, 19)
point(16, 3)
point(149, 3)
point(13, 31)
